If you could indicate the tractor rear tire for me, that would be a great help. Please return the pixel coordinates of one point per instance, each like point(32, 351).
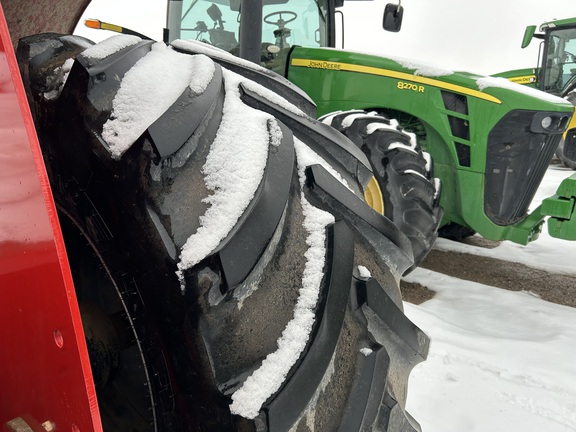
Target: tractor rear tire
point(188, 329)
point(566, 150)
point(561, 155)
point(411, 194)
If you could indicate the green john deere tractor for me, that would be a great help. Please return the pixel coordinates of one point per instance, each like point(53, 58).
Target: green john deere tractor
point(490, 140)
point(555, 73)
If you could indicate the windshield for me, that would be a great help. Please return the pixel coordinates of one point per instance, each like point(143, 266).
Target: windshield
point(285, 23)
point(560, 64)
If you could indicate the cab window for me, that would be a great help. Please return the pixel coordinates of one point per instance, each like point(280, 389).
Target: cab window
point(285, 23)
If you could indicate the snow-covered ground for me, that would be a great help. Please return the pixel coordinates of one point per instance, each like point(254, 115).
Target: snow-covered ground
point(499, 360)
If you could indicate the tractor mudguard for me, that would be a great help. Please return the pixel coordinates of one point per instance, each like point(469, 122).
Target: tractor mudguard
point(45, 376)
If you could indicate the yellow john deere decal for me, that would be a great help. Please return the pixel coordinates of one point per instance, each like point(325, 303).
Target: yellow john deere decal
point(321, 64)
point(523, 79)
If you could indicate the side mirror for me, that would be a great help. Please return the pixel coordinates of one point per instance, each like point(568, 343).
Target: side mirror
point(528, 35)
point(235, 5)
point(392, 17)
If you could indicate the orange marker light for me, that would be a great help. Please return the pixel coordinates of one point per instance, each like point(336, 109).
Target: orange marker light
point(93, 23)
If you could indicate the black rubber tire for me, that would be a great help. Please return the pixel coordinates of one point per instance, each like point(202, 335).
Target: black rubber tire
point(560, 154)
point(410, 192)
point(567, 154)
point(200, 330)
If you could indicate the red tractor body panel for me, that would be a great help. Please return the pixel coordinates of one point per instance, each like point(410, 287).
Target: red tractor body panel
point(45, 370)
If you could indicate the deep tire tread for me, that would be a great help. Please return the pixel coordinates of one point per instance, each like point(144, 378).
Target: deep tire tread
point(408, 186)
point(194, 346)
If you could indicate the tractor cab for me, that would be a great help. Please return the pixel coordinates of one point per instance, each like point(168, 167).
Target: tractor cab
point(557, 69)
point(558, 74)
point(261, 31)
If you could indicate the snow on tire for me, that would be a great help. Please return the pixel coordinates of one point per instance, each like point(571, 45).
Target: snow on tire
point(232, 276)
point(403, 171)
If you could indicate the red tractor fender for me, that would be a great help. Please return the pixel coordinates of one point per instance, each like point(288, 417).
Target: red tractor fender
point(45, 374)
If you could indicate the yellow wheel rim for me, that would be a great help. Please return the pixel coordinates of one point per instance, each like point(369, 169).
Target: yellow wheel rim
point(373, 196)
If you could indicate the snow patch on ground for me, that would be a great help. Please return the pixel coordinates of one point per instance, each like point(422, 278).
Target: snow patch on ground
point(546, 253)
point(498, 360)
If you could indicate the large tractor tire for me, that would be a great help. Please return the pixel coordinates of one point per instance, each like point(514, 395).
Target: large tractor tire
point(566, 150)
point(404, 173)
point(230, 275)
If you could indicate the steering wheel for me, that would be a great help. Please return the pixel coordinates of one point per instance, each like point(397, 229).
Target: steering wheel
point(281, 22)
